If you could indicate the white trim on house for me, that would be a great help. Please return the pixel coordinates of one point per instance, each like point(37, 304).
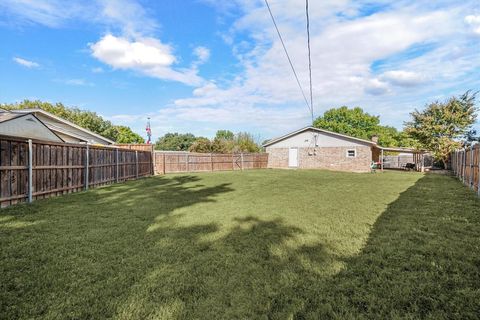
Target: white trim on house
point(49, 115)
point(317, 130)
point(347, 153)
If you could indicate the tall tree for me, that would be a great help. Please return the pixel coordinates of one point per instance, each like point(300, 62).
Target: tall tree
point(441, 125)
point(357, 123)
point(175, 141)
point(84, 118)
point(225, 134)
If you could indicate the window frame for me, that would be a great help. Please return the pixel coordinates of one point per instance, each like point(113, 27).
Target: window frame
point(348, 153)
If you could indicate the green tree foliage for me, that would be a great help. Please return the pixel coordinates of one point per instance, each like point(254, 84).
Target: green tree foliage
point(226, 143)
point(357, 123)
point(225, 135)
point(202, 145)
point(245, 142)
point(123, 134)
point(83, 118)
point(175, 141)
point(441, 125)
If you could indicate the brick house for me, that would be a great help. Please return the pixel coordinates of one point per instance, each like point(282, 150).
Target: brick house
point(313, 148)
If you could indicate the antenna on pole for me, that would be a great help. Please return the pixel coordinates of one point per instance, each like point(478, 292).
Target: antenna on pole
point(149, 132)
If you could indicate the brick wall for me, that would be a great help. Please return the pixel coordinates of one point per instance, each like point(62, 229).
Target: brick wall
point(331, 158)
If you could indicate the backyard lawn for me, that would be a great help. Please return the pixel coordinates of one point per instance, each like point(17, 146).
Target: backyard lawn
point(266, 244)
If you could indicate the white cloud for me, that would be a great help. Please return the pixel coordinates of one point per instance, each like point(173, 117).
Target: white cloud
point(474, 22)
point(128, 15)
point(376, 87)
point(202, 54)
point(403, 78)
point(345, 46)
point(78, 82)
point(145, 55)
point(26, 63)
point(97, 70)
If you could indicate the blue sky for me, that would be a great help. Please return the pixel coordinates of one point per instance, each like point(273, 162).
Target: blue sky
point(202, 65)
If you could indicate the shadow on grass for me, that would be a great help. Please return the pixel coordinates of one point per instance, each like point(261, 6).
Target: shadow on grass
point(420, 260)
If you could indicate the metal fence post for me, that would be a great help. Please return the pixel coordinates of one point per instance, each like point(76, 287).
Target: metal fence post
point(30, 171)
point(116, 165)
point(136, 164)
point(87, 160)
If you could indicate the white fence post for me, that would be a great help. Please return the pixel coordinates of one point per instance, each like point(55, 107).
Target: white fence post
point(30, 171)
point(87, 160)
point(136, 164)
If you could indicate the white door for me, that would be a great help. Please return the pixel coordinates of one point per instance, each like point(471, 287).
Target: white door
point(293, 157)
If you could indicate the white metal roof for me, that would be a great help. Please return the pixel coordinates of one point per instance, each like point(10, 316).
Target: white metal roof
point(318, 130)
point(59, 119)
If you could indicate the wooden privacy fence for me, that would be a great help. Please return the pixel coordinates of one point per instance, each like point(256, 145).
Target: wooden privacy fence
point(170, 162)
point(465, 165)
point(34, 170)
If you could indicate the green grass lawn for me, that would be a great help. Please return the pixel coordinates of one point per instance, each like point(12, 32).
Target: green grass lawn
point(267, 244)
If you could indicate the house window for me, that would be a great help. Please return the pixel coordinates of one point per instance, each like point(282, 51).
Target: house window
point(352, 153)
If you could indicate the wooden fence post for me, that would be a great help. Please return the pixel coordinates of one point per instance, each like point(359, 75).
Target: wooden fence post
point(164, 163)
point(478, 172)
point(87, 160)
point(470, 178)
point(211, 161)
point(464, 164)
point(241, 157)
point(116, 165)
point(30, 171)
point(136, 164)
point(187, 162)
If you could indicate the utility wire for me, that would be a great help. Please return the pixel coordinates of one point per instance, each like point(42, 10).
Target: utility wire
point(289, 60)
point(309, 59)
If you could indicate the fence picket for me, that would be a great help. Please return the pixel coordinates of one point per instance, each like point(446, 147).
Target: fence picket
point(466, 166)
point(32, 170)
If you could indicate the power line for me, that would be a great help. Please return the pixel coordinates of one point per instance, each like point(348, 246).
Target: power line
point(309, 59)
point(289, 60)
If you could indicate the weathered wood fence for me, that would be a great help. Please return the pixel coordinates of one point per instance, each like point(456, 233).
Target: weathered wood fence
point(170, 162)
point(35, 170)
point(465, 165)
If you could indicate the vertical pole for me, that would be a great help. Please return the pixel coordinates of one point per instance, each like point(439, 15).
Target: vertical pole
point(136, 164)
point(211, 161)
point(470, 178)
point(87, 160)
point(241, 157)
point(187, 161)
point(381, 160)
point(478, 172)
point(116, 165)
point(30, 171)
point(464, 164)
point(163, 159)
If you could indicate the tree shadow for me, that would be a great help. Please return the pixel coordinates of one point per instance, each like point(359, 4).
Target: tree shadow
point(419, 261)
point(148, 264)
